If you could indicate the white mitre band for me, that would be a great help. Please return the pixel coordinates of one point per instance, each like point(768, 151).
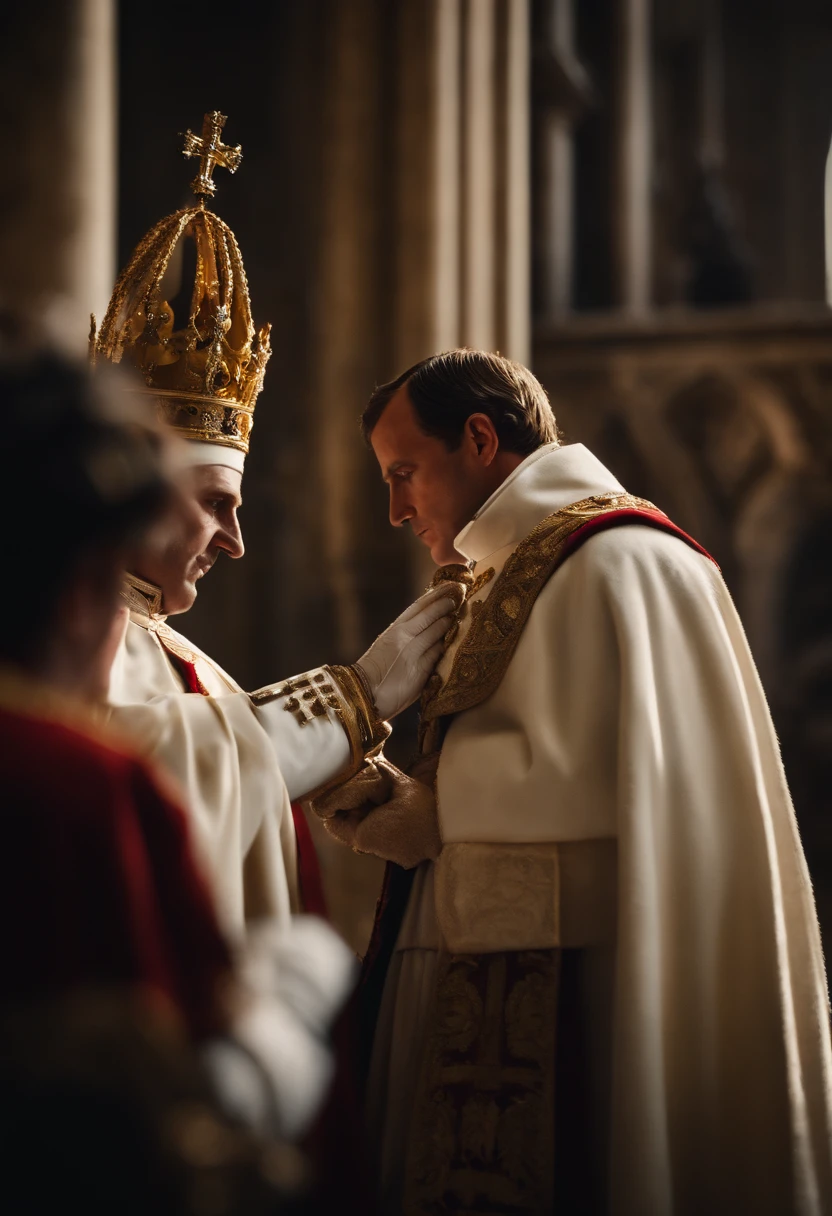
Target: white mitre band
point(195, 452)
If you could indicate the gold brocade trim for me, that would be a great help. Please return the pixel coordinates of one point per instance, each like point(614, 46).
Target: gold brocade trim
point(206, 418)
point(481, 581)
point(487, 649)
point(476, 585)
point(171, 642)
point(482, 1134)
point(306, 697)
point(356, 688)
point(142, 598)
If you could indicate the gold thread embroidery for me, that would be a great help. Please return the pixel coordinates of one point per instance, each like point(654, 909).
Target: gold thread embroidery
point(487, 649)
point(482, 580)
point(301, 699)
point(171, 642)
point(332, 692)
point(483, 1125)
point(479, 582)
point(142, 598)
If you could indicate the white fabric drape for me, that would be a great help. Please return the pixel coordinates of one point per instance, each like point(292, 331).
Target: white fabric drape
point(632, 709)
point(237, 767)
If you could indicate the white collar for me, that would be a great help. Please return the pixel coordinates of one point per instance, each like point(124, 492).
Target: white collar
point(551, 478)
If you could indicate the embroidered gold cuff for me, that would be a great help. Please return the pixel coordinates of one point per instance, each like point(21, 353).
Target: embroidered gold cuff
point(307, 696)
point(337, 693)
point(372, 732)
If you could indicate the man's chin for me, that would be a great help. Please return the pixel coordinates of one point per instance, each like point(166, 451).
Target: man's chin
point(181, 600)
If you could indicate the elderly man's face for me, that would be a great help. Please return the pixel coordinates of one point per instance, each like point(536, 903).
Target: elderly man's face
point(200, 525)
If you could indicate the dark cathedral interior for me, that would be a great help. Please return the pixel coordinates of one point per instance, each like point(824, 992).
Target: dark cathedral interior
point(647, 201)
point(632, 197)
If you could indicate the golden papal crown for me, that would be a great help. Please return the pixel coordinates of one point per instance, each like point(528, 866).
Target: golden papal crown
point(206, 374)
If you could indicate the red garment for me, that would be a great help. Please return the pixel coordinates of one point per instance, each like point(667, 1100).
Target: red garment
point(628, 515)
point(310, 881)
point(98, 884)
point(187, 670)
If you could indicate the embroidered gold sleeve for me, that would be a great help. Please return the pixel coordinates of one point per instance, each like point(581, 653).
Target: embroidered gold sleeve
point(339, 694)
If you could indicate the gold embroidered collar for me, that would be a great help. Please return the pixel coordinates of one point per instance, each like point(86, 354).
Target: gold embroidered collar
point(484, 655)
point(144, 601)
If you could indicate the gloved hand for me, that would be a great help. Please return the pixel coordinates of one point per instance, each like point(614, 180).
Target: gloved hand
point(399, 661)
point(386, 813)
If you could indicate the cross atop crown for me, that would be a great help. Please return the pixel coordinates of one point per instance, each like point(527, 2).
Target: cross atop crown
point(211, 152)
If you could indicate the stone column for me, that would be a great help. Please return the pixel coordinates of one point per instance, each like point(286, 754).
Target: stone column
point(513, 282)
point(632, 238)
point(462, 184)
point(57, 236)
point(712, 88)
point(554, 212)
point(345, 319)
point(827, 225)
point(479, 253)
point(91, 255)
point(494, 188)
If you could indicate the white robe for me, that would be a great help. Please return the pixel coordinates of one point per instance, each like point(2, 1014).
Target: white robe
point(632, 711)
point(237, 765)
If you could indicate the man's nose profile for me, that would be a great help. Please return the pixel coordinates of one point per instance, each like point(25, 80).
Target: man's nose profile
point(400, 509)
point(230, 540)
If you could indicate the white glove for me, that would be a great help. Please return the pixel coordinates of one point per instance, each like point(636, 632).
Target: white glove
point(399, 662)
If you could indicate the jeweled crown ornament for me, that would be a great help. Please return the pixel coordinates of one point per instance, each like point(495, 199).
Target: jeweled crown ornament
point(205, 365)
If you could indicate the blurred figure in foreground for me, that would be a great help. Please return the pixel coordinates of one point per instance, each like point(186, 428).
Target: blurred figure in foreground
point(115, 970)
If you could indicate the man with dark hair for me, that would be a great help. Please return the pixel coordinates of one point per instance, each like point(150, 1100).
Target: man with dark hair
point(445, 390)
point(598, 961)
point(429, 407)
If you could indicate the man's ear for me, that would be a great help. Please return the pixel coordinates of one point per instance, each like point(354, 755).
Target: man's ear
point(481, 431)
